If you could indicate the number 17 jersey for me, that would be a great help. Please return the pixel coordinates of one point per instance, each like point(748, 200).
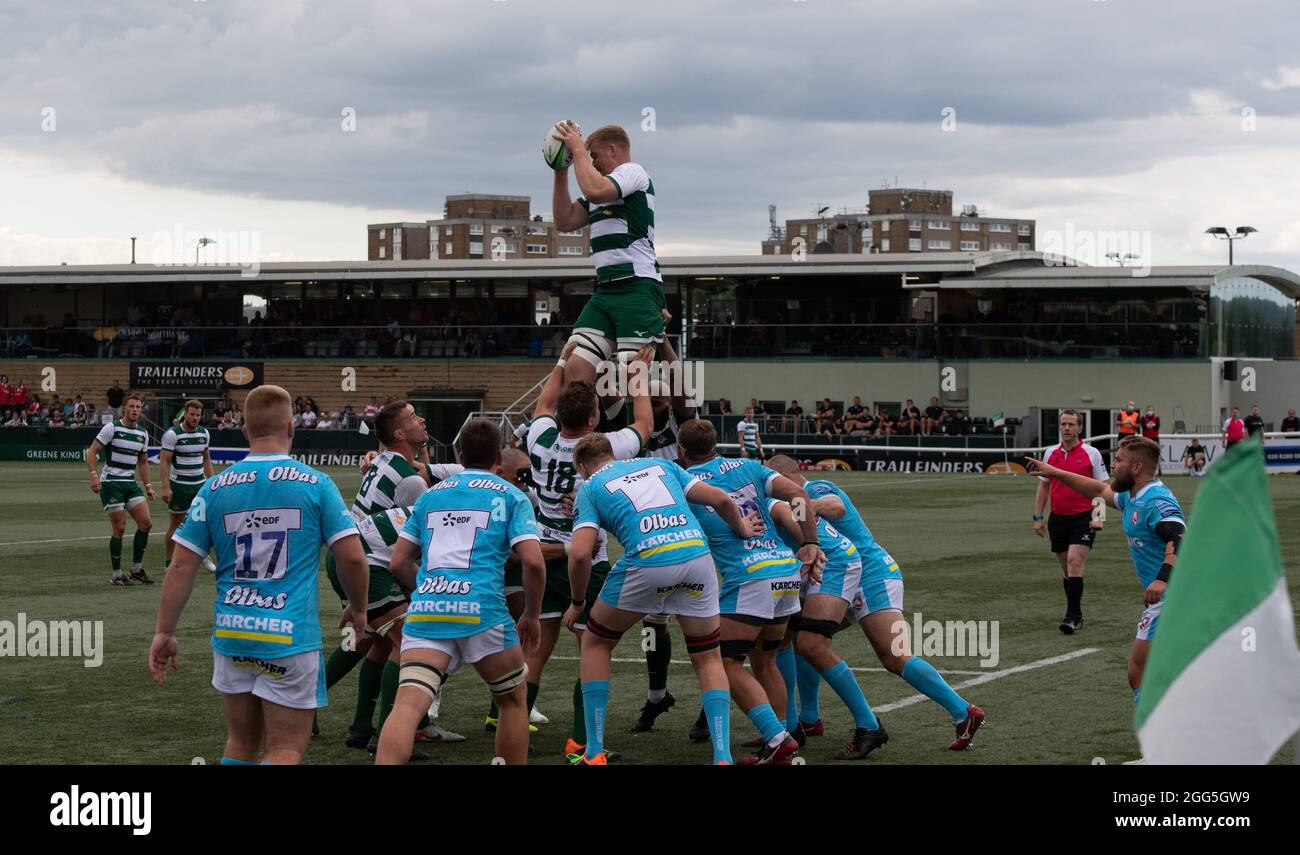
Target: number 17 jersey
point(266, 517)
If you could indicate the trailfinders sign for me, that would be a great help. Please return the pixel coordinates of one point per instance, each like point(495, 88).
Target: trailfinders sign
point(203, 374)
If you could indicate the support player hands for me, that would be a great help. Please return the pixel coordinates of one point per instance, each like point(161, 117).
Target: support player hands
point(813, 561)
point(162, 651)
point(367, 459)
point(1154, 592)
point(571, 615)
point(351, 615)
point(567, 504)
point(529, 629)
point(567, 132)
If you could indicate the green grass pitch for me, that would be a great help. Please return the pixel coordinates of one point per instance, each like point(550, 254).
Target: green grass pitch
point(964, 542)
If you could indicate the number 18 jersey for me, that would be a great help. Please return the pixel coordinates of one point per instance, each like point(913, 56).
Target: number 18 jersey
point(266, 517)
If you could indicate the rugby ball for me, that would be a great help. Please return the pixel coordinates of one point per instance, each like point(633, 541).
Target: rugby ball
point(554, 151)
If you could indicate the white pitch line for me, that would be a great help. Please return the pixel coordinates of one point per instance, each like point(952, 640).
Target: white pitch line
point(68, 539)
point(985, 678)
point(688, 662)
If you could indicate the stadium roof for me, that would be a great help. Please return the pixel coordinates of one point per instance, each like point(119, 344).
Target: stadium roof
point(1041, 277)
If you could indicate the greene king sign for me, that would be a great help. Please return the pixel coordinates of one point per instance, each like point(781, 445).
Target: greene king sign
point(205, 374)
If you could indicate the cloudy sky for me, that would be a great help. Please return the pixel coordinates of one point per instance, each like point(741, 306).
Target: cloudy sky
point(159, 118)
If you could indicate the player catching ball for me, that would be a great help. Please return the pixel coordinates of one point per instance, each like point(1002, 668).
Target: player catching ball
point(628, 309)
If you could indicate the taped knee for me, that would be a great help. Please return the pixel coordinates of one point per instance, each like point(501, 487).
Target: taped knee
point(383, 629)
point(599, 630)
point(735, 648)
point(819, 627)
point(769, 643)
point(507, 684)
point(591, 346)
point(426, 678)
point(703, 643)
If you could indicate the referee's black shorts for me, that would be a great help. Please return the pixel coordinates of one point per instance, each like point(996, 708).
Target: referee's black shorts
point(1066, 530)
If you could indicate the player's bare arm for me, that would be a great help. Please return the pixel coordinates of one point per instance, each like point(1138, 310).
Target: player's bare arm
point(783, 515)
point(643, 415)
point(529, 624)
point(682, 411)
point(1040, 504)
point(703, 494)
point(164, 473)
point(178, 584)
point(1081, 484)
point(354, 576)
point(1172, 534)
point(92, 456)
point(554, 384)
point(207, 465)
point(596, 188)
point(142, 469)
point(795, 496)
point(580, 550)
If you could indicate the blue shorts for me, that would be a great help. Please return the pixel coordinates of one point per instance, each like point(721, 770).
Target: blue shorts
point(838, 580)
point(878, 594)
point(1146, 630)
point(689, 588)
point(769, 599)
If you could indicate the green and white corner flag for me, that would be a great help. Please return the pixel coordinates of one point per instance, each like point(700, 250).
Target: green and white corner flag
point(1222, 684)
point(999, 419)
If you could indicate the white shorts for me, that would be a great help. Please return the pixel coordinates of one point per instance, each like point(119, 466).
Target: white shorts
point(297, 681)
point(769, 599)
point(878, 595)
point(689, 589)
point(466, 649)
point(1147, 625)
point(844, 581)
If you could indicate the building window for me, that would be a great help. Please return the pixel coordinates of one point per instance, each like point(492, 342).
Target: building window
point(476, 247)
point(538, 230)
point(383, 252)
point(941, 225)
point(510, 213)
point(1024, 246)
point(884, 244)
point(970, 245)
point(1000, 227)
point(883, 225)
point(803, 230)
point(1000, 247)
point(821, 233)
point(940, 244)
point(383, 234)
point(569, 250)
point(913, 244)
point(574, 233)
point(969, 226)
point(536, 249)
point(446, 248)
point(1024, 230)
point(476, 229)
point(913, 225)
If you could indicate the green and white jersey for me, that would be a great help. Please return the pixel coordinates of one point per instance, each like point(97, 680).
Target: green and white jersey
point(748, 433)
point(390, 482)
point(623, 231)
point(187, 448)
point(555, 476)
point(122, 449)
point(663, 443)
point(379, 535)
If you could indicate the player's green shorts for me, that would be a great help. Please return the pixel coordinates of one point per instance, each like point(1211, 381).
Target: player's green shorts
point(118, 495)
point(384, 590)
point(514, 577)
point(628, 310)
point(182, 495)
point(556, 598)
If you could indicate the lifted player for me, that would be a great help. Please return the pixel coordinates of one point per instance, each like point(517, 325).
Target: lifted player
point(124, 444)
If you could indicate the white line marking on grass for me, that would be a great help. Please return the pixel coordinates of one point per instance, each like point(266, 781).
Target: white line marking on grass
point(69, 539)
point(688, 662)
point(985, 678)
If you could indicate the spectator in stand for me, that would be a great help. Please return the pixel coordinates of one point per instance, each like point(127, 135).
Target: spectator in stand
point(347, 419)
point(17, 418)
point(884, 423)
point(227, 420)
point(236, 417)
point(866, 424)
point(853, 415)
point(372, 410)
point(724, 407)
point(36, 412)
point(18, 397)
point(1290, 424)
point(1254, 421)
point(825, 417)
point(1234, 429)
point(309, 418)
point(297, 416)
point(326, 421)
point(5, 399)
point(1150, 424)
point(757, 407)
point(311, 405)
point(934, 415)
point(909, 422)
point(959, 424)
point(793, 416)
point(92, 414)
point(1194, 458)
point(78, 412)
point(115, 394)
point(56, 417)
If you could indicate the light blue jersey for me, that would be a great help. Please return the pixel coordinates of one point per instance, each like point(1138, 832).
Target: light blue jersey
point(877, 563)
point(1143, 511)
point(266, 517)
point(465, 527)
point(747, 482)
point(839, 549)
point(643, 503)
